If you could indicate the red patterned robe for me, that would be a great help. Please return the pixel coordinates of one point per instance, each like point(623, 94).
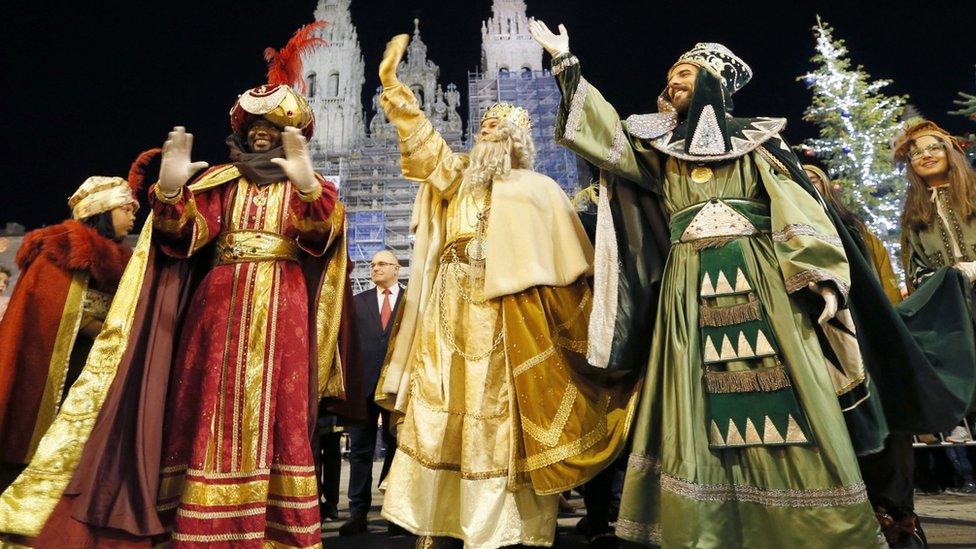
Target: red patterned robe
point(237, 461)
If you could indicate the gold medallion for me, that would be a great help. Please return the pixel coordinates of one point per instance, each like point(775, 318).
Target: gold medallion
point(476, 249)
point(701, 174)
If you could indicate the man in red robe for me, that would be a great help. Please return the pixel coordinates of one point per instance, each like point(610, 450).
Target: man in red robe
point(230, 326)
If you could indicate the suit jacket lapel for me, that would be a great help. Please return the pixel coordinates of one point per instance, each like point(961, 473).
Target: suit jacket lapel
point(396, 306)
point(374, 310)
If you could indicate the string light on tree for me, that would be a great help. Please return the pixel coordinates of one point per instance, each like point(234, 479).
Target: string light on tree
point(856, 123)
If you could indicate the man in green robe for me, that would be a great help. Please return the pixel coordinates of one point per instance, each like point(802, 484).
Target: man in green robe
point(740, 439)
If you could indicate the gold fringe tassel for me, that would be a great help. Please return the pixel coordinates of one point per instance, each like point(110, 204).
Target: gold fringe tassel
point(728, 316)
point(714, 241)
point(746, 381)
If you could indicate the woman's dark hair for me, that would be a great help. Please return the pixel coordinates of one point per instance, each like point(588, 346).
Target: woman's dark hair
point(103, 224)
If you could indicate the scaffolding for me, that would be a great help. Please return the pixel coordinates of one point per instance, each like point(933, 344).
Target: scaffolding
point(537, 92)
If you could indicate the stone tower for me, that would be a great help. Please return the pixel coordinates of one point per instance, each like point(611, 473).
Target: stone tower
point(334, 74)
point(506, 44)
point(512, 71)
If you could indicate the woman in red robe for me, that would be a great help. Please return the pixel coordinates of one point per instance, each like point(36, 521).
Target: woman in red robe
point(69, 273)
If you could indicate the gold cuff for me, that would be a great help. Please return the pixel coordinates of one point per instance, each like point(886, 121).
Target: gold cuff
point(311, 196)
point(171, 200)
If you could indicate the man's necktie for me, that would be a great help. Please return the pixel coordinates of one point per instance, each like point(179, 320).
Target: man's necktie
point(386, 311)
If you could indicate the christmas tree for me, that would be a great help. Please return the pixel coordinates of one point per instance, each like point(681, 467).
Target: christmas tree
point(967, 108)
point(857, 123)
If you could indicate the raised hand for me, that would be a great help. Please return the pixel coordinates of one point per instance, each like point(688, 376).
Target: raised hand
point(555, 44)
point(297, 162)
point(391, 59)
point(176, 168)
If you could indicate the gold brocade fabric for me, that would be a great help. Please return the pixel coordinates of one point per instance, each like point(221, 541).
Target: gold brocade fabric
point(498, 421)
point(27, 503)
point(71, 321)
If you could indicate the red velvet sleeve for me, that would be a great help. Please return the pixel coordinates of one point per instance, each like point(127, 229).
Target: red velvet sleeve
point(311, 217)
point(184, 225)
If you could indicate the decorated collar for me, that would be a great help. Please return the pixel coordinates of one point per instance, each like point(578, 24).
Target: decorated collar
point(664, 133)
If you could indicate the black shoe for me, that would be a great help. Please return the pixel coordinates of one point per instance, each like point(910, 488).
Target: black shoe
point(329, 512)
point(354, 526)
point(396, 530)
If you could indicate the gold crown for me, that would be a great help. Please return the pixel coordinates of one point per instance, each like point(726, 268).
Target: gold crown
point(506, 111)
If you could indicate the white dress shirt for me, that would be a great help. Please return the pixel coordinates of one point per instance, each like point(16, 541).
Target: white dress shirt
point(394, 292)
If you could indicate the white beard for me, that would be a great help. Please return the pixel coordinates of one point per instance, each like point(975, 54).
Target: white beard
point(487, 160)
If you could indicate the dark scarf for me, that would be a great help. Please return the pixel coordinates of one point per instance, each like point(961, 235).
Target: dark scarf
point(256, 167)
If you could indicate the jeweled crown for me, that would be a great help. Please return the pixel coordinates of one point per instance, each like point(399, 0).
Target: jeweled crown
point(506, 111)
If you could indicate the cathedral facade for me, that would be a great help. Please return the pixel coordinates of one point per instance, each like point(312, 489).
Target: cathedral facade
point(360, 152)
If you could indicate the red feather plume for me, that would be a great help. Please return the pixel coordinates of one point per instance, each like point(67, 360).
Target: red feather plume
point(285, 65)
point(138, 169)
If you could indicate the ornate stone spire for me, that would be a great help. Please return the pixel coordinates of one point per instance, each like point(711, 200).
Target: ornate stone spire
point(505, 40)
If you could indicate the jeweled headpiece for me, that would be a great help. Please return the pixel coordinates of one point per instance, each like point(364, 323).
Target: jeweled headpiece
point(100, 194)
point(913, 129)
point(506, 111)
point(720, 61)
point(277, 101)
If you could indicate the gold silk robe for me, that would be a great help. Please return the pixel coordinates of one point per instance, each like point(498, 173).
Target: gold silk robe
point(498, 414)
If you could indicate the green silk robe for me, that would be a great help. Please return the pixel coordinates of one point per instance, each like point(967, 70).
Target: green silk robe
point(681, 489)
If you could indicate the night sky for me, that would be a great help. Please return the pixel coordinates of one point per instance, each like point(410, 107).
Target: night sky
point(88, 85)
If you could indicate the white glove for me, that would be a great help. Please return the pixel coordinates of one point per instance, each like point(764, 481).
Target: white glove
point(967, 268)
point(297, 162)
point(175, 167)
point(555, 44)
point(829, 296)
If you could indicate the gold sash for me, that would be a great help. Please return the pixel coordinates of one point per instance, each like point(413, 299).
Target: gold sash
point(243, 246)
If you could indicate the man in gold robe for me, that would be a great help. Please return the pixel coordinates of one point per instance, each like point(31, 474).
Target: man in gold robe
point(487, 364)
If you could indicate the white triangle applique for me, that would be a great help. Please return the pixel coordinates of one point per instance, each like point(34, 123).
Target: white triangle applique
point(752, 435)
point(706, 288)
point(734, 438)
point(763, 347)
point(716, 435)
point(728, 353)
point(745, 350)
point(741, 284)
point(723, 287)
point(716, 218)
point(707, 138)
point(771, 433)
point(793, 431)
point(711, 354)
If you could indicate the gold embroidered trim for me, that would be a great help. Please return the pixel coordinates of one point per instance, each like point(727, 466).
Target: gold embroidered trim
point(417, 456)
point(307, 469)
point(550, 437)
point(209, 538)
point(576, 345)
point(794, 230)
point(800, 280)
point(570, 449)
point(175, 199)
point(292, 504)
point(420, 144)
point(183, 512)
point(575, 115)
point(612, 159)
point(311, 529)
point(533, 362)
point(175, 226)
point(230, 474)
point(731, 315)
point(638, 531)
point(773, 161)
point(747, 381)
point(415, 396)
point(312, 195)
point(96, 303)
point(173, 469)
point(642, 462)
point(791, 498)
point(564, 64)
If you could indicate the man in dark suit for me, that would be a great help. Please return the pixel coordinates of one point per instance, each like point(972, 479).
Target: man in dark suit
point(374, 311)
